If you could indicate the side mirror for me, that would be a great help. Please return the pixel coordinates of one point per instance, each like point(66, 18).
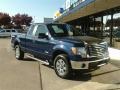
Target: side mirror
point(42, 36)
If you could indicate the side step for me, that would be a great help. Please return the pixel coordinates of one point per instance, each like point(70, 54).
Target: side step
point(44, 62)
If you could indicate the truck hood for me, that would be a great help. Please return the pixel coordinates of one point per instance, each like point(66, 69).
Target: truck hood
point(79, 39)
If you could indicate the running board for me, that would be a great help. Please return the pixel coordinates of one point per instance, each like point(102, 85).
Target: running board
point(44, 62)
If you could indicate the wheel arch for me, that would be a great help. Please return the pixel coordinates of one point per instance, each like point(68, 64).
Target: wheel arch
point(16, 43)
point(57, 52)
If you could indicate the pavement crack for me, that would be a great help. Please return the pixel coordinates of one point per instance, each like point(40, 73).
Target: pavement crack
point(40, 76)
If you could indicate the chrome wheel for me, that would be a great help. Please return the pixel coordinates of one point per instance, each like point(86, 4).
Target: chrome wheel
point(61, 67)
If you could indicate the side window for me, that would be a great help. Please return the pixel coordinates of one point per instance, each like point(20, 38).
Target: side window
point(3, 31)
point(13, 30)
point(7, 30)
point(41, 29)
point(30, 32)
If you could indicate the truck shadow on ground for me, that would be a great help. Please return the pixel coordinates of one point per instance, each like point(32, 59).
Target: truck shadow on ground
point(114, 89)
point(107, 72)
point(117, 83)
point(29, 59)
point(80, 76)
point(75, 75)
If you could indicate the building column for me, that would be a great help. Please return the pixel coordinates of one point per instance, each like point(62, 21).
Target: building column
point(94, 26)
point(111, 30)
point(102, 27)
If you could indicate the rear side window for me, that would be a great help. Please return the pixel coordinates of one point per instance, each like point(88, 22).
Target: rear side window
point(13, 30)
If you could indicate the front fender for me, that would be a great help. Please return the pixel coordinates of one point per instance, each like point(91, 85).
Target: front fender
point(63, 48)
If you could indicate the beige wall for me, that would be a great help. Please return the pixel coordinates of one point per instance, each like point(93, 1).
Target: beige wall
point(95, 7)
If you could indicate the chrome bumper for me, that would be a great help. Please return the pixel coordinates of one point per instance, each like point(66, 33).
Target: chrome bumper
point(89, 64)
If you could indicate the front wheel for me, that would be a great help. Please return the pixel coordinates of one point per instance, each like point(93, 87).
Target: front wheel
point(62, 66)
point(19, 54)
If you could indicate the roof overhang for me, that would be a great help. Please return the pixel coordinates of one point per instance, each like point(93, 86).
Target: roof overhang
point(94, 6)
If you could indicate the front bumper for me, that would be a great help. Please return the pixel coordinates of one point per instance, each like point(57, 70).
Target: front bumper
point(89, 64)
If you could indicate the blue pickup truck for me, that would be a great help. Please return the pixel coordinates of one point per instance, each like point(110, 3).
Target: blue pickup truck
point(61, 46)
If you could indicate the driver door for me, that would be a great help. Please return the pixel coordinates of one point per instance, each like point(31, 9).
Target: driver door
point(41, 44)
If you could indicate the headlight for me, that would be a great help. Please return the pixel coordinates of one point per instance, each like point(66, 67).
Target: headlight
point(79, 51)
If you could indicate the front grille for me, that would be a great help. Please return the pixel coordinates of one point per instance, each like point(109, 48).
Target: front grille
point(98, 50)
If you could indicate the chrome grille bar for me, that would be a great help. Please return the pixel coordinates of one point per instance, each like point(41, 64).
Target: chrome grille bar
point(98, 50)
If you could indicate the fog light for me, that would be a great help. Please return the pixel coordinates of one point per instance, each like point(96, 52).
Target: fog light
point(83, 65)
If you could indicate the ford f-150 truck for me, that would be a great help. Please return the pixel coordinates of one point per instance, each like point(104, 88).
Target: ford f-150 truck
point(61, 46)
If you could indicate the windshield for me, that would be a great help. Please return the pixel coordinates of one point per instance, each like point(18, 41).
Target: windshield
point(60, 30)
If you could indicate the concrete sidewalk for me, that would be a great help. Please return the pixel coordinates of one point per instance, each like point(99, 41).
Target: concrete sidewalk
point(95, 86)
point(114, 54)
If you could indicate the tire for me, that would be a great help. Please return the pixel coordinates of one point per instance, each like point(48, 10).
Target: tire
point(19, 54)
point(62, 66)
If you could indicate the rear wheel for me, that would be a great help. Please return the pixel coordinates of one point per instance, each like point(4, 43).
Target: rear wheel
point(19, 54)
point(62, 66)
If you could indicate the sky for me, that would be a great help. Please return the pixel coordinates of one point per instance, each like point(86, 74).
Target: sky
point(38, 9)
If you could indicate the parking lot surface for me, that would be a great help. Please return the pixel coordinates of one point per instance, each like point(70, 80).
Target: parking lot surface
point(25, 75)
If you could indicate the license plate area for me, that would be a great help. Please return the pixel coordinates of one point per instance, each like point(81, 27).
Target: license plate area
point(93, 65)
